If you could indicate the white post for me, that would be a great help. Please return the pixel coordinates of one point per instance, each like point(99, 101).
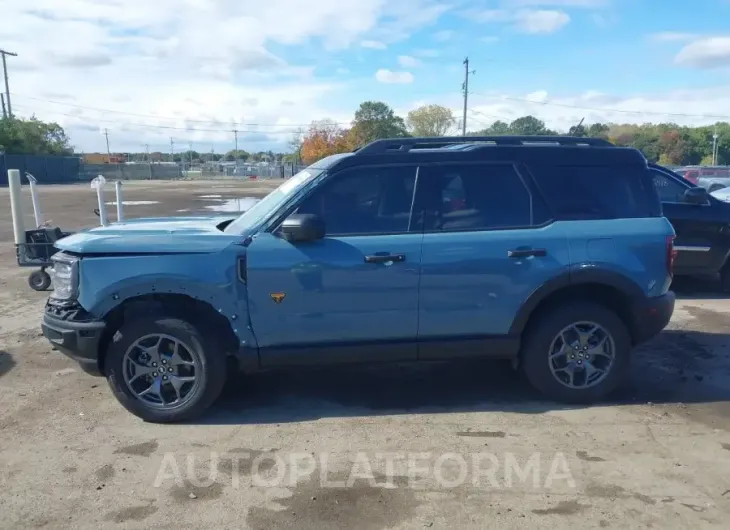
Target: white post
point(16, 206)
point(34, 197)
point(120, 201)
point(98, 184)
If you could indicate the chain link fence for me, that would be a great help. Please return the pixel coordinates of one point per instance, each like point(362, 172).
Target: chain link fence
point(56, 169)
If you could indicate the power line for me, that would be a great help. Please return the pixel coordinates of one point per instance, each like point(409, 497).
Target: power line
point(598, 109)
point(125, 113)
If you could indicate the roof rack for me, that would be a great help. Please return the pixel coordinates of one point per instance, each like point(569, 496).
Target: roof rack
point(406, 144)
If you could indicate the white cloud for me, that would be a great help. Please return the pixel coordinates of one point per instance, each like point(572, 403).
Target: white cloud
point(671, 36)
point(713, 52)
point(390, 77)
point(561, 111)
point(591, 4)
point(191, 63)
point(373, 44)
point(443, 35)
point(532, 21)
point(540, 21)
point(406, 61)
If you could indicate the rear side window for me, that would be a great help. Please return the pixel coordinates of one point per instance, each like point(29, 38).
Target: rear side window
point(462, 197)
point(608, 192)
point(668, 188)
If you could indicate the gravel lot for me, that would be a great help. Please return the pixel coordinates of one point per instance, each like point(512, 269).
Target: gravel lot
point(277, 444)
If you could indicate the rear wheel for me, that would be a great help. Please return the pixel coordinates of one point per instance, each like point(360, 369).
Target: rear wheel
point(577, 353)
point(162, 369)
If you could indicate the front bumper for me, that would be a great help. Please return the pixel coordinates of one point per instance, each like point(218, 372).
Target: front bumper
point(78, 340)
point(652, 316)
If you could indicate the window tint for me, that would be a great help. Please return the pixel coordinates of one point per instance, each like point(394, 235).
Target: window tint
point(586, 192)
point(473, 197)
point(366, 200)
point(669, 189)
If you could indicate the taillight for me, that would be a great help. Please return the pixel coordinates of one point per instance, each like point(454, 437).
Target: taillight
point(692, 176)
point(671, 254)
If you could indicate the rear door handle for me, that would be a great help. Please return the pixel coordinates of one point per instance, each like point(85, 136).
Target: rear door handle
point(383, 258)
point(527, 252)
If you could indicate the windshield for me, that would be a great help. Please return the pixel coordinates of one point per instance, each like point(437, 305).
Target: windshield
point(273, 201)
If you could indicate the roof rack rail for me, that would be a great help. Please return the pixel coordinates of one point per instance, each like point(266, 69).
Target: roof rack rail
point(406, 144)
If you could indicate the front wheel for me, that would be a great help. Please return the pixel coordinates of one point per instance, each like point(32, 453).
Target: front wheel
point(163, 369)
point(577, 353)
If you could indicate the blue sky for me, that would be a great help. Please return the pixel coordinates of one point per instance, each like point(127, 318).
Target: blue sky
point(194, 70)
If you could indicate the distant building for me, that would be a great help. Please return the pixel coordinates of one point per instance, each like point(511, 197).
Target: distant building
point(102, 158)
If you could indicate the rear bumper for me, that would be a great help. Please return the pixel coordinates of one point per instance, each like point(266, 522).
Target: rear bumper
point(77, 340)
point(652, 316)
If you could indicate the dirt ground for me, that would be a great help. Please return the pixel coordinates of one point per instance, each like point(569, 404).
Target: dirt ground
point(284, 450)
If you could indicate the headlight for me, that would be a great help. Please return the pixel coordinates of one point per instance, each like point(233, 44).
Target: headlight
point(64, 276)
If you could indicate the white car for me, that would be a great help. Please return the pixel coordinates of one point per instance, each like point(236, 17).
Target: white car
point(722, 194)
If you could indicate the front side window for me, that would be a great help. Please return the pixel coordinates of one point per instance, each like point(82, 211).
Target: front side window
point(364, 201)
point(669, 190)
point(474, 197)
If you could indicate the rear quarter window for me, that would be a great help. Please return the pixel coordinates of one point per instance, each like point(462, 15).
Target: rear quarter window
point(606, 192)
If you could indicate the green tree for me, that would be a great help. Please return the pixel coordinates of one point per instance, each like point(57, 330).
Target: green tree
point(33, 137)
point(431, 120)
point(375, 120)
point(528, 126)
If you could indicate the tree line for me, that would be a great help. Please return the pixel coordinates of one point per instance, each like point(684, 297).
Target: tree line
point(666, 143)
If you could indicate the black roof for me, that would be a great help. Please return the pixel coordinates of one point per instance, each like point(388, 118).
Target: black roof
point(553, 150)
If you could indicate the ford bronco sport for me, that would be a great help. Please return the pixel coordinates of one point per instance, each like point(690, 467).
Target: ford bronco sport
point(549, 251)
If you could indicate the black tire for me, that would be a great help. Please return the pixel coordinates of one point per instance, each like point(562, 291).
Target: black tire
point(212, 360)
point(539, 337)
point(39, 280)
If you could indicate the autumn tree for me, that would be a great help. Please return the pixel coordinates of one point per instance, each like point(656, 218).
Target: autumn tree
point(324, 138)
point(431, 120)
point(375, 120)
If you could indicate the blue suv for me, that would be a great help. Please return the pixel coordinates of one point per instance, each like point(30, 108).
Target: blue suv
point(548, 251)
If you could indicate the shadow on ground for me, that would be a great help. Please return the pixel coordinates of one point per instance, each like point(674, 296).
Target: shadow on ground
point(677, 367)
point(702, 287)
point(6, 362)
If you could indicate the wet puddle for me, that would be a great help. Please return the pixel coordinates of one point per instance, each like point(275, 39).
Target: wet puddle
point(133, 203)
point(232, 205)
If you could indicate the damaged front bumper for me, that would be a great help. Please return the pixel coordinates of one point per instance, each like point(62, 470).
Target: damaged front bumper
point(72, 331)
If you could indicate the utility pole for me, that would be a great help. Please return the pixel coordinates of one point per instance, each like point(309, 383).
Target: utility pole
point(714, 147)
point(172, 150)
point(108, 152)
point(191, 155)
point(465, 87)
point(2, 100)
point(235, 134)
point(7, 85)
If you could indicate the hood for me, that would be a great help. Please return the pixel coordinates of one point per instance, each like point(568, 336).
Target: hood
point(159, 235)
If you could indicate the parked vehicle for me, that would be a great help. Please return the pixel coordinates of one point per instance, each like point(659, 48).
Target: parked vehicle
point(711, 178)
point(548, 251)
point(701, 221)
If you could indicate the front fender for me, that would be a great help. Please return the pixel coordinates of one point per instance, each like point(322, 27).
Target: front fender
point(106, 282)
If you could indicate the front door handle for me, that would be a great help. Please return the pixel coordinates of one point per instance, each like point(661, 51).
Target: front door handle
point(527, 252)
point(383, 258)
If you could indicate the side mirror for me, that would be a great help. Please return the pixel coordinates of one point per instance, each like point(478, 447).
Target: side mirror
point(698, 196)
point(299, 228)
